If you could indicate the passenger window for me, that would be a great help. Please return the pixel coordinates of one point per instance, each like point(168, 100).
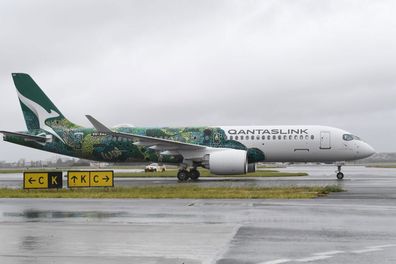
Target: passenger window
point(301, 137)
point(284, 137)
point(258, 137)
point(269, 137)
point(274, 137)
point(290, 137)
point(243, 137)
point(263, 137)
point(295, 137)
point(312, 137)
point(231, 137)
point(279, 137)
point(236, 137)
point(252, 137)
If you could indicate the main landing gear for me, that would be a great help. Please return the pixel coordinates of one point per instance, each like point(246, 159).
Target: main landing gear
point(340, 175)
point(183, 175)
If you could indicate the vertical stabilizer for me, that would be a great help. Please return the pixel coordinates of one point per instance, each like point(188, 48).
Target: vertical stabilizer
point(38, 110)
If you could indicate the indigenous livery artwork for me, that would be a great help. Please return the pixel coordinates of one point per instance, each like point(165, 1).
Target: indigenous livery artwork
point(221, 149)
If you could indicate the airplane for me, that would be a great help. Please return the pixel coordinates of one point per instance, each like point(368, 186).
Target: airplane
point(223, 150)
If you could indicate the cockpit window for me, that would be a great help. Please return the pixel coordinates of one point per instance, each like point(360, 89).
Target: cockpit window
point(349, 137)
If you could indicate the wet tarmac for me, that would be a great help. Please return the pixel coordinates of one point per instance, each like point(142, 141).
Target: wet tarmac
point(356, 226)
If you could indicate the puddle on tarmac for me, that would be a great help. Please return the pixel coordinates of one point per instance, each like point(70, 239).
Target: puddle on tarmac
point(50, 214)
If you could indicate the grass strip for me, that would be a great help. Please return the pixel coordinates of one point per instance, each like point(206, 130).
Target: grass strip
point(177, 191)
point(393, 166)
point(8, 171)
point(206, 173)
point(169, 173)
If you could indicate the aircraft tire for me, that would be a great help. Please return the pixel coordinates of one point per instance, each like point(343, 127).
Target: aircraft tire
point(194, 174)
point(183, 175)
point(340, 175)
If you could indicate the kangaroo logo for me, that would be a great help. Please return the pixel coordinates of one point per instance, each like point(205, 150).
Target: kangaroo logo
point(41, 113)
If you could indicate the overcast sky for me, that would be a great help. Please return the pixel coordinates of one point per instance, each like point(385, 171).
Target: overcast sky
point(185, 63)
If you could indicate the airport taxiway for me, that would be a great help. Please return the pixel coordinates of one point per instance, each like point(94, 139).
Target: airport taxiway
point(356, 226)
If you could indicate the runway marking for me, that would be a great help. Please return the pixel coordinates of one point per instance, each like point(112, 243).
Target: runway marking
point(222, 250)
point(329, 254)
point(313, 258)
point(384, 246)
point(366, 250)
point(334, 252)
point(300, 204)
point(373, 248)
point(276, 261)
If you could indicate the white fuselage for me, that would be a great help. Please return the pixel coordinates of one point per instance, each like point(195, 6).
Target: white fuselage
point(301, 143)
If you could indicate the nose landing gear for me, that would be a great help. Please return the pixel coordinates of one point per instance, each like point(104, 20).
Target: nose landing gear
point(340, 175)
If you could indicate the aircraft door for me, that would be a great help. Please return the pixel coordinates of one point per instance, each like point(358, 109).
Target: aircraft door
point(325, 140)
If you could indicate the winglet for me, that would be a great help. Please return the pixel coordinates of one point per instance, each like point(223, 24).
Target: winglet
point(98, 126)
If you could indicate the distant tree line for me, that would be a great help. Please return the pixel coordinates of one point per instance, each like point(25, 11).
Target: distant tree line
point(59, 162)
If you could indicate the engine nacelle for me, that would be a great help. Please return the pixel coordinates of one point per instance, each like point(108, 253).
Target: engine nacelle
point(228, 161)
point(251, 167)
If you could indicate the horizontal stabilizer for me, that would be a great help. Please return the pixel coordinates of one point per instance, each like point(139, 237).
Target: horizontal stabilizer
point(26, 137)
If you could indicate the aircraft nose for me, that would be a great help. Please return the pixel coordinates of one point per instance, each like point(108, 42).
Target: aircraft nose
point(366, 150)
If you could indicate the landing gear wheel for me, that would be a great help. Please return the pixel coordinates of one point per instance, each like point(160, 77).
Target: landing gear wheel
point(340, 175)
point(194, 174)
point(183, 175)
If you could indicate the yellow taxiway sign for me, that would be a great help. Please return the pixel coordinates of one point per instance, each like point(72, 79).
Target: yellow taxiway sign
point(77, 179)
point(42, 180)
point(102, 178)
point(81, 179)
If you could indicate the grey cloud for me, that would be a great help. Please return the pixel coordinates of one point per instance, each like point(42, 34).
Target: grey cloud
point(154, 63)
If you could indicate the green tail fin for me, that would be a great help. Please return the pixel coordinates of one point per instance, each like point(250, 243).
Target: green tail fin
point(38, 110)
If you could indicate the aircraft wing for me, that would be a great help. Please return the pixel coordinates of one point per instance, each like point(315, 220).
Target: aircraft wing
point(168, 147)
point(26, 137)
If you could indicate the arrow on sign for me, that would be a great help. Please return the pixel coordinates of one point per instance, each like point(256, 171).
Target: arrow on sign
point(31, 180)
point(106, 178)
point(74, 178)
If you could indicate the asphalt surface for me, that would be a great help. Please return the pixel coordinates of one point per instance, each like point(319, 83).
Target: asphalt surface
point(356, 226)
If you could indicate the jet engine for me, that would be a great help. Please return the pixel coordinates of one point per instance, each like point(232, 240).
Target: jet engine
point(251, 167)
point(228, 161)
